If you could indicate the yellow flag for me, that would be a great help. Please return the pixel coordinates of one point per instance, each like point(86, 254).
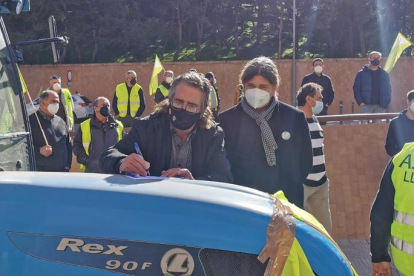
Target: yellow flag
point(24, 86)
point(401, 43)
point(154, 77)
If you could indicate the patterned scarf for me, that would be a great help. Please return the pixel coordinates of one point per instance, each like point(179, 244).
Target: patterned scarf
point(261, 119)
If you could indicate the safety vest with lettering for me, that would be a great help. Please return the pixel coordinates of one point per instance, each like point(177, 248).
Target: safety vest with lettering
point(87, 137)
point(123, 99)
point(297, 263)
point(212, 102)
point(402, 228)
point(164, 90)
point(68, 107)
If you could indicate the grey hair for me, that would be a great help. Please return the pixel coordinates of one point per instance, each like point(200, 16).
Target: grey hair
point(195, 80)
point(95, 102)
point(44, 96)
point(375, 52)
point(260, 66)
point(168, 71)
point(130, 72)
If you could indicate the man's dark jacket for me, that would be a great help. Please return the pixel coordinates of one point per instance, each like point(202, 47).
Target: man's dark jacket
point(101, 139)
point(363, 87)
point(58, 138)
point(400, 131)
point(247, 157)
point(382, 214)
point(153, 135)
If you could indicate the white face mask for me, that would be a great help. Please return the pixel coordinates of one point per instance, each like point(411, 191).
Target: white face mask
point(412, 107)
point(214, 81)
point(56, 87)
point(317, 108)
point(257, 98)
point(53, 108)
point(169, 79)
point(318, 69)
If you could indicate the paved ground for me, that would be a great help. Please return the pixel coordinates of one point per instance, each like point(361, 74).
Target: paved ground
point(357, 252)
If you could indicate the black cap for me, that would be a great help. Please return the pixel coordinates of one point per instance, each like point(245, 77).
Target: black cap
point(54, 77)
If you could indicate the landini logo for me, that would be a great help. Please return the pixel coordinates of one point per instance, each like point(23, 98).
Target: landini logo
point(177, 262)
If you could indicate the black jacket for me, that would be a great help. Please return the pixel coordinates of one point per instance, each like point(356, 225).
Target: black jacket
point(101, 140)
point(153, 135)
point(58, 138)
point(247, 157)
point(328, 92)
point(159, 97)
point(382, 214)
point(400, 131)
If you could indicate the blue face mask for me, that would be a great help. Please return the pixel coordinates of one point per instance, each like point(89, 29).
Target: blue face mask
point(317, 108)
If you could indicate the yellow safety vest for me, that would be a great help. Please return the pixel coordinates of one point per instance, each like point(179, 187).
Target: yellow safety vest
point(122, 96)
point(210, 102)
point(297, 263)
point(87, 137)
point(68, 107)
point(402, 228)
point(164, 90)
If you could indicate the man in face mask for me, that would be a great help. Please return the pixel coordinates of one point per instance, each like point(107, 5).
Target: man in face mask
point(53, 151)
point(162, 90)
point(401, 128)
point(128, 101)
point(95, 135)
point(372, 86)
point(316, 185)
point(323, 80)
point(267, 141)
point(179, 139)
point(66, 102)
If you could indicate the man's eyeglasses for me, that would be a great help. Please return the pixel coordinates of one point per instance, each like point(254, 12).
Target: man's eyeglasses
point(190, 108)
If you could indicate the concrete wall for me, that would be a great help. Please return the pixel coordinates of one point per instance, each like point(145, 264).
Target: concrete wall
point(355, 161)
point(96, 80)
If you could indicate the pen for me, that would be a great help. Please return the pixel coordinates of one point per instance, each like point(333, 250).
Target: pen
point(138, 151)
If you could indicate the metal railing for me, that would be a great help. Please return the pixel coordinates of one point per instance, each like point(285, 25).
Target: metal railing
point(357, 118)
point(337, 119)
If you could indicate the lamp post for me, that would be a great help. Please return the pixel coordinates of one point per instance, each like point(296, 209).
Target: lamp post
point(294, 56)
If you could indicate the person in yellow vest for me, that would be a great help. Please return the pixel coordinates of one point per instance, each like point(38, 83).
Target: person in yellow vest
point(95, 135)
point(213, 99)
point(392, 216)
point(162, 90)
point(128, 102)
point(66, 102)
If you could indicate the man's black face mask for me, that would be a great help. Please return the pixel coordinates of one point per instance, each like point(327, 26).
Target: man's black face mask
point(183, 120)
point(375, 62)
point(104, 111)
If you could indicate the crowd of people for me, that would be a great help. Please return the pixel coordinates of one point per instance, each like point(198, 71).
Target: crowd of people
point(260, 142)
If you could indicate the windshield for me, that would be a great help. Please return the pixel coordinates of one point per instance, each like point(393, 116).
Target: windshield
point(14, 135)
point(11, 119)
